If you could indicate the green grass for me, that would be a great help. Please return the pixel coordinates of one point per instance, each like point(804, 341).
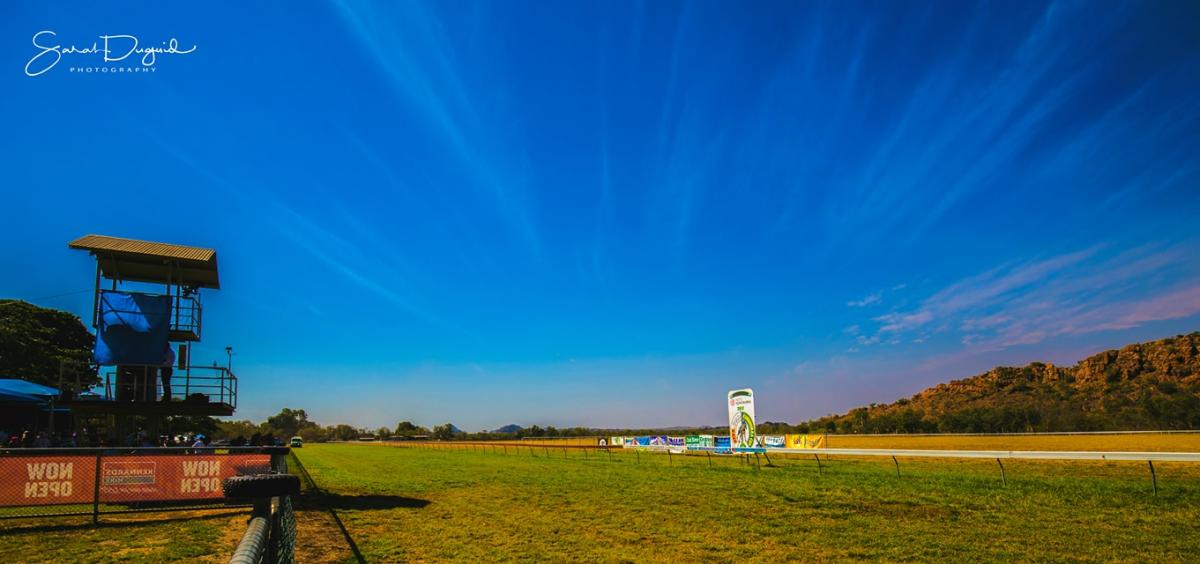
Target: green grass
point(417, 504)
point(152, 537)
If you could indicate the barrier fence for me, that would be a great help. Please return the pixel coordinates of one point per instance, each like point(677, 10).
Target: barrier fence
point(745, 454)
point(270, 535)
point(95, 482)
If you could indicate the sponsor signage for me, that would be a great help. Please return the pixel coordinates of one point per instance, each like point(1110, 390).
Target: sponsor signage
point(774, 441)
point(47, 480)
point(54, 480)
point(741, 418)
point(806, 441)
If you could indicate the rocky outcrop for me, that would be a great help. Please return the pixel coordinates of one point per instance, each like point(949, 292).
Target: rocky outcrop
point(1154, 385)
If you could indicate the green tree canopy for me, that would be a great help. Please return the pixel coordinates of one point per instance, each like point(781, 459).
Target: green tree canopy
point(407, 429)
point(289, 422)
point(443, 432)
point(34, 342)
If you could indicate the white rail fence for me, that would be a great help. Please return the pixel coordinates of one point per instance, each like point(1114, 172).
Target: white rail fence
point(1001, 454)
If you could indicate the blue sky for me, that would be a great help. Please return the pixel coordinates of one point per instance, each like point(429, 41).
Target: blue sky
point(610, 213)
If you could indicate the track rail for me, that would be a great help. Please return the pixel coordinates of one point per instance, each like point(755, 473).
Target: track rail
point(1002, 454)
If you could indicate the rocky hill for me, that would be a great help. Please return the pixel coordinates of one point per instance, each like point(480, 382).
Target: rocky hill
point(1145, 386)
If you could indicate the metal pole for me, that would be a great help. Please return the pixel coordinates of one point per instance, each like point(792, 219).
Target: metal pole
point(96, 494)
point(819, 471)
point(897, 466)
point(1153, 476)
point(1003, 479)
point(709, 453)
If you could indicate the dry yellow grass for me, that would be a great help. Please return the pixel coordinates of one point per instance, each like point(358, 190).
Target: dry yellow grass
point(1149, 442)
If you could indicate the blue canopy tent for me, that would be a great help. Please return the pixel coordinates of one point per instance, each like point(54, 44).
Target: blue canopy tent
point(24, 390)
point(27, 405)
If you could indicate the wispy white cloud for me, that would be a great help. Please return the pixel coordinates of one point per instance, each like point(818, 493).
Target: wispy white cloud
point(408, 42)
point(1089, 290)
point(870, 299)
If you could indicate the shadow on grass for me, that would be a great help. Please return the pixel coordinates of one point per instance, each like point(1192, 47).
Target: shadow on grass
point(314, 500)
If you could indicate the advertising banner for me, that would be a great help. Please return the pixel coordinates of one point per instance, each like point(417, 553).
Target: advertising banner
point(658, 440)
point(721, 442)
point(774, 441)
point(173, 477)
point(47, 480)
point(741, 418)
point(805, 441)
point(58, 480)
point(699, 441)
point(616, 441)
point(642, 441)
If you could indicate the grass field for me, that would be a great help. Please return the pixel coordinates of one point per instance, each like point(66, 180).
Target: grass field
point(420, 504)
point(197, 536)
point(543, 503)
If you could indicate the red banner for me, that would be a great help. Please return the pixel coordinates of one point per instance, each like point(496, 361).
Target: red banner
point(47, 480)
point(56, 480)
point(173, 477)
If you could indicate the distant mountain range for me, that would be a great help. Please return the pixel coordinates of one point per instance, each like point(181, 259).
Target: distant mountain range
point(510, 428)
point(1146, 386)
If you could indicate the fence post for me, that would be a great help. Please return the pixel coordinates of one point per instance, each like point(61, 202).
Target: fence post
point(638, 454)
point(819, 471)
point(670, 461)
point(1003, 479)
point(897, 466)
point(1153, 476)
point(96, 495)
point(709, 453)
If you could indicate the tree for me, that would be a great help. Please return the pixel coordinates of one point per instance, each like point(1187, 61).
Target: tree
point(36, 341)
point(314, 434)
point(192, 424)
point(405, 428)
point(342, 432)
point(383, 433)
point(443, 432)
point(289, 422)
point(234, 429)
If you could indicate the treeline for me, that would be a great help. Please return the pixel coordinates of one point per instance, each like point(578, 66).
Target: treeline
point(295, 422)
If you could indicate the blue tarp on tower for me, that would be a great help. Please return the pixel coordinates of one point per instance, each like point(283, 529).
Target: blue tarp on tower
point(133, 328)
